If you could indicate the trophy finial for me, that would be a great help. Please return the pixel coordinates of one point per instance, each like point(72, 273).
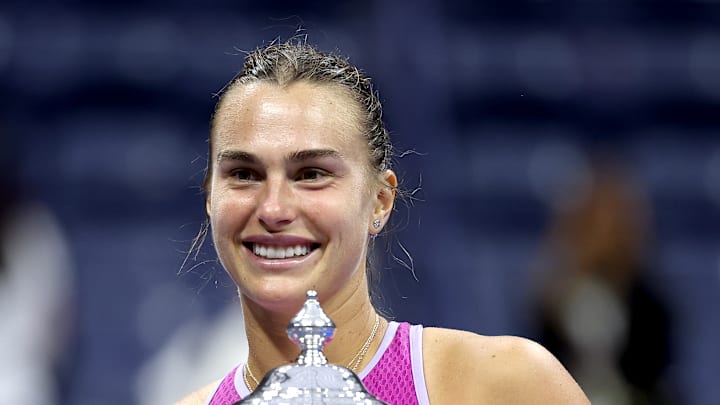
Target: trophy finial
point(311, 380)
point(311, 329)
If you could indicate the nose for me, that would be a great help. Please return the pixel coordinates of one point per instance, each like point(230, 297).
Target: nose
point(276, 205)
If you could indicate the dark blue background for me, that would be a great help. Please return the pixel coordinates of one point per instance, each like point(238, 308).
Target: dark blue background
point(106, 106)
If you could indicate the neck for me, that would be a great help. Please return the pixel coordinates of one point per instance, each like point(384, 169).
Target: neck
point(352, 313)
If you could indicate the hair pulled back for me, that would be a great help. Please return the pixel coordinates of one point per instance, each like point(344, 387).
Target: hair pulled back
point(296, 61)
point(293, 61)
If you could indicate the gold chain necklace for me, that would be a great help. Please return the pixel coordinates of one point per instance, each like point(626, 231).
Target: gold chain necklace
point(246, 371)
point(352, 365)
point(358, 358)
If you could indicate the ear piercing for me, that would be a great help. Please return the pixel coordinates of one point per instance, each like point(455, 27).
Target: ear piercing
point(376, 223)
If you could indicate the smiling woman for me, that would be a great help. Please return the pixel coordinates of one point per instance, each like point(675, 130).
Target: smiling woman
point(299, 181)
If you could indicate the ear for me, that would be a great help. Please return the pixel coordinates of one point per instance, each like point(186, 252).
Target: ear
point(384, 202)
point(207, 205)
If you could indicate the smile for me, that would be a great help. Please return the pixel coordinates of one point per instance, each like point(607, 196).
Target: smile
point(281, 252)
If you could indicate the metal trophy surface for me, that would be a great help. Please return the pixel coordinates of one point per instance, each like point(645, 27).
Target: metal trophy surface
point(311, 380)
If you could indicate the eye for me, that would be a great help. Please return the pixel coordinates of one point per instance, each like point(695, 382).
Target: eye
point(244, 175)
point(311, 174)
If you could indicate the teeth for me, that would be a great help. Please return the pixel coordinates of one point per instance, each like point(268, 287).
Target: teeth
point(279, 252)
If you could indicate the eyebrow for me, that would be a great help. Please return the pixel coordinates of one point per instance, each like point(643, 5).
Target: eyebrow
point(297, 156)
point(310, 154)
point(237, 155)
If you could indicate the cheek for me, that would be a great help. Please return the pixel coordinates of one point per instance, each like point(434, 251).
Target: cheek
point(346, 212)
point(227, 212)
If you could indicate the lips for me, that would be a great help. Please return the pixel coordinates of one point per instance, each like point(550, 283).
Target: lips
point(278, 248)
point(281, 252)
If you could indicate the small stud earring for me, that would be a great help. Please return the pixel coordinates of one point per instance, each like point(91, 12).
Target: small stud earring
point(376, 223)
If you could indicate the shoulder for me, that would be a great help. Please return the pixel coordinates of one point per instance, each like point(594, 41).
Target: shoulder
point(463, 367)
point(200, 396)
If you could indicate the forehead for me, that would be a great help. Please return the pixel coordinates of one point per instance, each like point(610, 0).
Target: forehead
point(301, 115)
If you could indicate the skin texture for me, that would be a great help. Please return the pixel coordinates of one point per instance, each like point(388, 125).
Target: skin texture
point(465, 368)
point(290, 166)
point(280, 195)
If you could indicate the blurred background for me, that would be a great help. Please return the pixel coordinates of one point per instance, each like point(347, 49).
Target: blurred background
point(568, 155)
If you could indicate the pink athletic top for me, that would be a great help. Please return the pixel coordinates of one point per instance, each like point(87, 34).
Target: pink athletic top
point(394, 374)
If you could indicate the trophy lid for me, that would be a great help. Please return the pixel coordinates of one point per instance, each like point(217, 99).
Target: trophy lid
point(311, 329)
point(311, 380)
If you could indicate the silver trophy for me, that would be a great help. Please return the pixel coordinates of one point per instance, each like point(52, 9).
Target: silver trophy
point(311, 380)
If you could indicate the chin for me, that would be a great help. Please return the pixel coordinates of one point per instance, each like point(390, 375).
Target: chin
point(278, 297)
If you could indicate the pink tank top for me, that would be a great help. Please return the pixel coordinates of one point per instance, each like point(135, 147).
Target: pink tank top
point(394, 374)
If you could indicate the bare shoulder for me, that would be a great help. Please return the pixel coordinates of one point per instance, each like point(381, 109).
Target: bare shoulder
point(200, 396)
point(463, 367)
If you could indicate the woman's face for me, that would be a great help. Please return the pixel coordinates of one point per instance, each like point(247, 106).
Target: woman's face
point(291, 198)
